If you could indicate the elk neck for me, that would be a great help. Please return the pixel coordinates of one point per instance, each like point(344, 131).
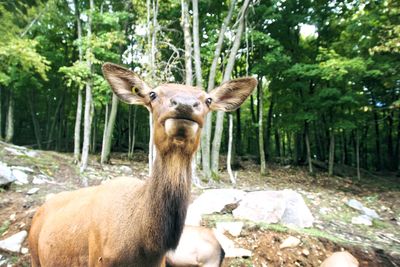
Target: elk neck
point(167, 195)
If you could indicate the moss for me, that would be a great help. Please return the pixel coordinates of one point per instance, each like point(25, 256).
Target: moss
point(4, 227)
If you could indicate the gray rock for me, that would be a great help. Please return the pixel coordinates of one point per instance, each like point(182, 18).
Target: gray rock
point(213, 200)
point(261, 206)
point(125, 169)
point(355, 204)
point(14, 242)
point(40, 179)
point(286, 207)
point(20, 176)
point(6, 176)
point(290, 242)
point(233, 228)
point(297, 213)
point(33, 191)
point(371, 213)
point(362, 219)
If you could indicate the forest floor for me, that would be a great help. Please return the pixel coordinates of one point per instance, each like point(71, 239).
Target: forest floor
point(376, 245)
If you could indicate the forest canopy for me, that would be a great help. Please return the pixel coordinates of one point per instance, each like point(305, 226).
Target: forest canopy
point(328, 77)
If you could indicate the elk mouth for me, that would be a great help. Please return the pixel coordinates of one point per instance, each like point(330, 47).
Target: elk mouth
point(181, 129)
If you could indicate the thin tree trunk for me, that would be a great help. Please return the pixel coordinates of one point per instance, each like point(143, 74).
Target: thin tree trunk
point(206, 136)
point(331, 152)
point(1, 113)
point(358, 156)
point(308, 147)
point(263, 167)
point(188, 42)
point(132, 134)
point(36, 127)
point(227, 75)
point(377, 143)
point(88, 100)
point(398, 143)
point(10, 119)
point(391, 156)
point(78, 117)
point(105, 151)
point(277, 143)
point(53, 123)
point(238, 142)
point(268, 130)
point(229, 156)
point(196, 44)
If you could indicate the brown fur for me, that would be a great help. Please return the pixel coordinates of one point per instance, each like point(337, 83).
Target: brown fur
point(126, 222)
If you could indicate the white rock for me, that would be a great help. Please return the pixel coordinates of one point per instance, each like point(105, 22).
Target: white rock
point(13, 217)
point(22, 168)
point(24, 250)
point(362, 219)
point(6, 176)
point(14, 151)
point(261, 206)
point(371, 213)
point(225, 242)
point(14, 242)
point(125, 169)
point(355, 204)
point(33, 191)
point(40, 179)
point(286, 206)
point(290, 242)
point(31, 153)
point(214, 200)
point(233, 228)
point(20, 176)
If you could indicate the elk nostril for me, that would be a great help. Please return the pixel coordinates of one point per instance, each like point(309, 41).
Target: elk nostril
point(196, 104)
point(173, 102)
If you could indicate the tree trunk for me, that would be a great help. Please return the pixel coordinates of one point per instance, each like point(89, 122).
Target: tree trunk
point(196, 44)
point(88, 99)
point(53, 123)
point(358, 156)
point(78, 117)
point(377, 142)
point(227, 75)
point(398, 143)
point(263, 166)
point(391, 157)
point(105, 151)
point(10, 119)
point(188, 42)
point(308, 147)
point(331, 153)
point(132, 133)
point(1, 113)
point(268, 130)
point(277, 143)
point(36, 127)
point(229, 156)
point(206, 136)
point(238, 133)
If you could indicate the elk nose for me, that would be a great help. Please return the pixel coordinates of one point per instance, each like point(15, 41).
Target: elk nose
point(184, 102)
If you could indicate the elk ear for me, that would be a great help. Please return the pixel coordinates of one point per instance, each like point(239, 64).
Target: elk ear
point(230, 95)
point(126, 84)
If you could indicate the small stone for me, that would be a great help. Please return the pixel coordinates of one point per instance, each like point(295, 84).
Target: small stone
point(14, 242)
point(24, 250)
point(290, 242)
point(355, 204)
point(233, 228)
point(371, 213)
point(13, 217)
point(305, 252)
point(33, 191)
point(20, 176)
point(362, 219)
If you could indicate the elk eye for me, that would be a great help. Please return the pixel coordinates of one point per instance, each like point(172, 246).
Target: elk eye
point(152, 95)
point(208, 101)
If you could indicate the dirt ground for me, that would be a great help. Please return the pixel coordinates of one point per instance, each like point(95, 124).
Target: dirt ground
point(377, 245)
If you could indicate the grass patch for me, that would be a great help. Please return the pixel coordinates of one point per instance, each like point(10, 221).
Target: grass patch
point(378, 224)
point(4, 227)
point(241, 263)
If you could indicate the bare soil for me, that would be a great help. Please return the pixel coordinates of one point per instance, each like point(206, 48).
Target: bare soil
point(377, 245)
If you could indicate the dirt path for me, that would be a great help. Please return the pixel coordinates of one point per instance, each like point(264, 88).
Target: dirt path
point(326, 196)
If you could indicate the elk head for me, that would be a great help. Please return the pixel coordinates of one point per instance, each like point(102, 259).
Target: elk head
point(178, 111)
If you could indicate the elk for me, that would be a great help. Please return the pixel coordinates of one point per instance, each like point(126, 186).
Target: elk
point(126, 222)
point(197, 247)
